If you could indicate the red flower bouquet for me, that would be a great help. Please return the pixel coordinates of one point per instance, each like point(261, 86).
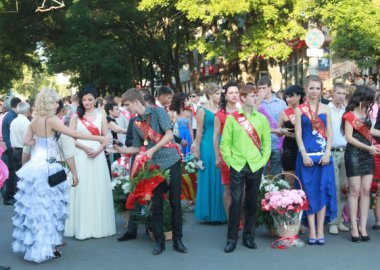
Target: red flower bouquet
point(147, 178)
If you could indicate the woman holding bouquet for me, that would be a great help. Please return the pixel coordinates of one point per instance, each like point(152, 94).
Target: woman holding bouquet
point(314, 166)
point(359, 158)
point(209, 198)
point(91, 203)
point(227, 105)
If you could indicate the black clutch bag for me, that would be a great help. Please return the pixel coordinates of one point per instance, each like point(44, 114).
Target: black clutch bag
point(57, 178)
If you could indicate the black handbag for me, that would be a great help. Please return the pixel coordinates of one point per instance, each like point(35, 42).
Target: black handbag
point(58, 177)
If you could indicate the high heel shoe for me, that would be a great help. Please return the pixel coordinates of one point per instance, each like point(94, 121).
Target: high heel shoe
point(355, 239)
point(158, 248)
point(364, 238)
point(312, 241)
point(57, 254)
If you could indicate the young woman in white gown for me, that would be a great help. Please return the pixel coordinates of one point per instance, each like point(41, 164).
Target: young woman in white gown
point(91, 211)
point(40, 209)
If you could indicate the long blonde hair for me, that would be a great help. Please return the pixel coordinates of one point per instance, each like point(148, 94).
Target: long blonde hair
point(45, 104)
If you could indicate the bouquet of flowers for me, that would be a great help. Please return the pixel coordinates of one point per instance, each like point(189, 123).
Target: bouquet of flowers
point(120, 167)
point(120, 183)
point(191, 165)
point(147, 178)
point(286, 207)
point(268, 185)
point(121, 187)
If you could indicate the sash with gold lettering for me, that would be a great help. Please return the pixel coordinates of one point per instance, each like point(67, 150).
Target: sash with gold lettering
point(316, 122)
point(359, 126)
point(90, 126)
point(290, 113)
point(248, 127)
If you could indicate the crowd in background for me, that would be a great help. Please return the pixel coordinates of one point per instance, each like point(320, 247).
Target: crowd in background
point(337, 163)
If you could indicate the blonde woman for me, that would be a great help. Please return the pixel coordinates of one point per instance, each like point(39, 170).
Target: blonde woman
point(209, 200)
point(41, 209)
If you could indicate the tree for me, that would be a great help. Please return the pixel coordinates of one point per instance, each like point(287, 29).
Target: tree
point(242, 31)
point(354, 28)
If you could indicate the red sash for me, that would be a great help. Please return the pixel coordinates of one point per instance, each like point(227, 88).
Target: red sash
point(317, 122)
point(359, 126)
point(248, 127)
point(148, 132)
point(90, 126)
point(290, 113)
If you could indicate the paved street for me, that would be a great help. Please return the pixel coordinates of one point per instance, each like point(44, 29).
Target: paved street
point(205, 244)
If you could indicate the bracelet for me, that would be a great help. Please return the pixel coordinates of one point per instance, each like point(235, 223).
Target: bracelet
point(300, 149)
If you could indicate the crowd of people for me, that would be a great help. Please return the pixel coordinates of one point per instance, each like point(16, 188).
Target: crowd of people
point(239, 131)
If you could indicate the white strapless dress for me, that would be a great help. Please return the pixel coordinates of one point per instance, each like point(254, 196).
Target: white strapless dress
point(41, 210)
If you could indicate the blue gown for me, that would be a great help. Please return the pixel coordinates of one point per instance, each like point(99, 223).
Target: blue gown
point(318, 181)
point(209, 199)
point(184, 133)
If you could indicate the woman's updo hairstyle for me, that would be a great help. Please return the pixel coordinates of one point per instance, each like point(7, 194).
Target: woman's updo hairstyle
point(85, 91)
point(223, 100)
point(45, 104)
point(210, 89)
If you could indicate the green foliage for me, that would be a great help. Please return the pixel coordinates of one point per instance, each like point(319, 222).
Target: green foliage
point(353, 27)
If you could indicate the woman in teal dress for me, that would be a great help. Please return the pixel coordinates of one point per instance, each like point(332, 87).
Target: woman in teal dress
point(209, 200)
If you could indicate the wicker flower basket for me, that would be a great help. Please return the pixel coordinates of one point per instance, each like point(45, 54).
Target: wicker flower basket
point(287, 225)
point(168, 235)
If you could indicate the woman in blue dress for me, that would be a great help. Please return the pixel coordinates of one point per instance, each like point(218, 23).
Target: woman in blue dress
point(209, 200)
point(314, 165)
point(181, 120)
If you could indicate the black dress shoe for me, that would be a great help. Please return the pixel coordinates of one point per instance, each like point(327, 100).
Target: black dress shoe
point(9, 202)
point(376, 227)
point(158, 248)
point(5, 267)
point(127, 236)
point(249, 243)
point(179, 246)
point(229, 247)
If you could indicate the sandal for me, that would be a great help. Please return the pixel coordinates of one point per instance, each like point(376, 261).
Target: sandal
point(376, 227)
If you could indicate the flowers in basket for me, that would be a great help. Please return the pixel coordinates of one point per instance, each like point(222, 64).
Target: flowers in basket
point(292, 201)
point(191, 165)
point(285, 207)
point(268, 185)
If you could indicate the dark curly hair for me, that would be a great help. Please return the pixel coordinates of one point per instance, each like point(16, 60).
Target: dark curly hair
point(223, 100)
point(84, 91)
point(363, 96)
point(178, 102)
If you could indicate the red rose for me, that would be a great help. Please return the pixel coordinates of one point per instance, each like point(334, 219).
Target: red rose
point(151, 168)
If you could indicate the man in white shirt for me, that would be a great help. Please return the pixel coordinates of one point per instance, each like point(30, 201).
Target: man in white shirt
point(18, 128)
point(194, 102)
point(337, 150)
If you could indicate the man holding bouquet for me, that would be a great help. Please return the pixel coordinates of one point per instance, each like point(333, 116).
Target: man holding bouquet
point(152, 138)
point(245, 147)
